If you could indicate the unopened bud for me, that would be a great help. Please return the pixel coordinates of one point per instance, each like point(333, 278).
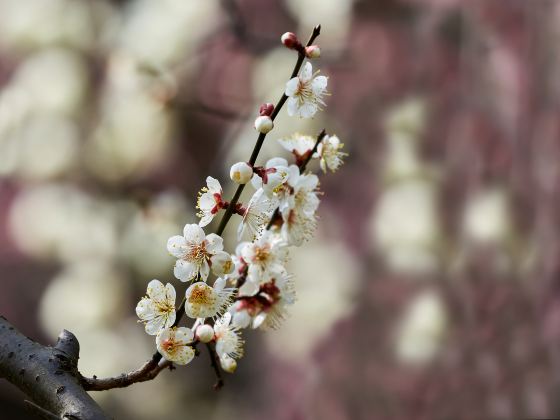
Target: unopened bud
point(264, 124)
point(205, 333)
point(266, 110)
point(228, 364)
point(313, 51)
point(290, 40)
point(241, 173)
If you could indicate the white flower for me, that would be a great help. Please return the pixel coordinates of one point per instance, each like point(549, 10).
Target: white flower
point(204, 301)
point(274, 174)
point(329, 151)
point(299, 192)
point(228, 341)
point(266, 256)
point(195, 252)
point(173, 345)
point(299, 144)
point(268, 308)
point(241, 173)
point(256, 215)
point(209, 201)
point(305, 93)
point(157, 309)
point(264, 124)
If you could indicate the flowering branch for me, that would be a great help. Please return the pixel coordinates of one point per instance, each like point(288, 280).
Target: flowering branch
point(281, 213)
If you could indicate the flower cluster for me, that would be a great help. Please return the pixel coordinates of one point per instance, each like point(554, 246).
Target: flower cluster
point(253, 288)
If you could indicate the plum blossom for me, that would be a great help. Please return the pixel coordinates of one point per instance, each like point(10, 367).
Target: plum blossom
point(209, 201)
point(305, 93)
point(266, 256)
point(196, 252)
point(228, 341)
point(174, 344)
point(274, 173)
point(299, 144)
point(269, 307)
point(157, 309)
point(204, 301)
point(256, 214)
point(330, 154)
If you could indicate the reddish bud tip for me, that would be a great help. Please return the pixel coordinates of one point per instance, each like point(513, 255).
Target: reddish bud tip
point(290, 40)
point(266, 110)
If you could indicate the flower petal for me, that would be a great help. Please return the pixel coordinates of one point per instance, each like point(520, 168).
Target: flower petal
point(156, 290)
point(319, 85)
point(183, 355)
point(307, 72)
point(214, 243)
point(194, 233)
point(183, 335)
point(214, 185)
point(185, 270)
point(176, 246)
point(292, 86)
point(292, 104)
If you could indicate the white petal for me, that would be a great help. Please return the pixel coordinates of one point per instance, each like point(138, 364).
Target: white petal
point(204, 270)
point(214, 185)
point(241, 319)
point(292, 86)
point(214, 243)
point(145, 309)
point(319, 85)
point(219, 284)
point(184, 335)
point(156, 290)
point(184, 355)
point(308, 110)
point(185, 270)
point(307, 72)
point(205, 220)
point(194, 233)
point(206, 202)
point(256, 182)
point(155, 325)
point(248, 288)
point(170, 293)
point(292, 104)
point(276, 162)
point(259, 319)
point(176, 246)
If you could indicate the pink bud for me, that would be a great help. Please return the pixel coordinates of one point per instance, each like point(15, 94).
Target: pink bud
point(313, 51)
point(290, 40)
point(266, 110)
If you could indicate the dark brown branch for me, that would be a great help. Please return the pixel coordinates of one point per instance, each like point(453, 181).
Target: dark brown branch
point(214, 363)
point(147, 372)
point(47, 375)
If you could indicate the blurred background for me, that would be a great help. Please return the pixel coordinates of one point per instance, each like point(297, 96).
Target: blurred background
point(432, 290)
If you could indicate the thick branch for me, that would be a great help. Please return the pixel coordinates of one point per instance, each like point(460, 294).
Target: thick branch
point(47, 375)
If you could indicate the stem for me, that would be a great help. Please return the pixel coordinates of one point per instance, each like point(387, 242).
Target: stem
point(151, 368)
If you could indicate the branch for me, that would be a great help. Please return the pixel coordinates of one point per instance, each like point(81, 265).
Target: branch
point(47, 375)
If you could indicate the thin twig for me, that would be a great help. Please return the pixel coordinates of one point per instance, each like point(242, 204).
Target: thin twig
point(213, 360)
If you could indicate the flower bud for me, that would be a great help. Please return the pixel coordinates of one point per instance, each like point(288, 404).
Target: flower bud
point(290, 40)
point(313, 51)
point(266, 109)
point(264, 124)
point(228, 364)
point(205, 333)
point(241, 173)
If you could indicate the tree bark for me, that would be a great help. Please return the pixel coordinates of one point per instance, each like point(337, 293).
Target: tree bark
point(47, 375)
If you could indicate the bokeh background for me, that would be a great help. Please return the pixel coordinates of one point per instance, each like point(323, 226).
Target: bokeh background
point(432, 290)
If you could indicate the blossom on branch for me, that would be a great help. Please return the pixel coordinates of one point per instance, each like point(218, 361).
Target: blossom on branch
point(228, 341)
point(305, 93)
point(209, 201)
point(204, 301)
point(195, 252)
point(174, 345)
point(157, 309)
point(330, 153)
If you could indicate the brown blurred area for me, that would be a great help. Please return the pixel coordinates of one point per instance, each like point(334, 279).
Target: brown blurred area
point(432, 289)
